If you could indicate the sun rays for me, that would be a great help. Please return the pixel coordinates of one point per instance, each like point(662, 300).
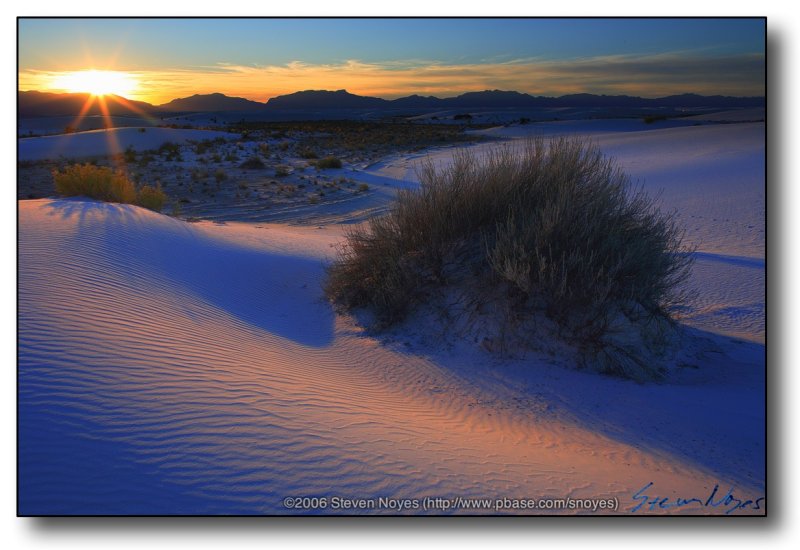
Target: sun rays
point(97, 82)
point(103, 87)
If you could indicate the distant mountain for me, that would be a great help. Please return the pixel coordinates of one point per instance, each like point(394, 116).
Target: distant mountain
point(323, 99)
point(682, 100)
point(499, 99)
point(211, 102)
point(491, 99)
point(417, 101)
point(34, 104)
point(695, 100)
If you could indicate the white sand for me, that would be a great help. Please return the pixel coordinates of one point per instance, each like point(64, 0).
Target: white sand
point(712, 177)
point(168, 367)
point(107, 142)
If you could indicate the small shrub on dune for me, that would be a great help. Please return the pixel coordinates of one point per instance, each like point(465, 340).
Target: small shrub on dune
point(96, 182)
point(105, 184)
point(151, 197)
point(307, 153)
point(171, 151)
point(253, 163)
point(553, 230)
point(328, 162)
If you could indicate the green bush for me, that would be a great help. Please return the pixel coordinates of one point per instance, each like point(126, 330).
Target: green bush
point(151, 197)
point(307, 153)
point(96, 182)
point(556, 225)
point(650, 119)
point(103, 183)
point(253, 163)
point(329, 162)
point(171, 151)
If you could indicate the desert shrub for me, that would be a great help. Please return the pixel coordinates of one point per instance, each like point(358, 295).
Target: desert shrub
point(145, 159)
point(97, 182)
point(202, 147)
point(363, 188)
point(103, 183)
point(171, 151)
point(329, 162)
point(220, 175)
point(253, 163)
point(650, 119)
point(307, 153)
point(281, 171)
point(151, 197)
point(555, 224)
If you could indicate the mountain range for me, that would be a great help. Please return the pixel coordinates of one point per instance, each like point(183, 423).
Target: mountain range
point(35, 103)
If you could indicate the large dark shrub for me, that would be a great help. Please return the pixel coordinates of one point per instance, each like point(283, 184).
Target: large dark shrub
point(556, 225)
point(328, 162)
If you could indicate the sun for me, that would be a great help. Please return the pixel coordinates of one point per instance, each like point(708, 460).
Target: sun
point(97, 82)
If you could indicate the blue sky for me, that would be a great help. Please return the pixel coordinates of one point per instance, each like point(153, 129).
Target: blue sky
point(380, 56)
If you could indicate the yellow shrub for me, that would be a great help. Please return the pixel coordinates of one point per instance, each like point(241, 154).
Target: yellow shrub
point(151, 197)
point(100, 182)
point(97, 182)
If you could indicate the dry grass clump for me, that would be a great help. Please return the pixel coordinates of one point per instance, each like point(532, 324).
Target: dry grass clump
point(105, 184)
point(555, 224)
point(151, 197)
point(253, 163)
point(96, 182)
point(328, 162)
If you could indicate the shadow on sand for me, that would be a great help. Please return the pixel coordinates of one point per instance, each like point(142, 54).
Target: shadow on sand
point(274, 292)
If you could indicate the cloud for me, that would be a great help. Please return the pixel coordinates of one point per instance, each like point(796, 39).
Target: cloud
point(646, 75)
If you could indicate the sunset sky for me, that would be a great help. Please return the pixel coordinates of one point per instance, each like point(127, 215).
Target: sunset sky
point(161, 59)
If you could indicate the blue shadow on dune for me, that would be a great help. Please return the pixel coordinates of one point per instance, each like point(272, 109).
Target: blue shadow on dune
point(711, 414)
point(274, 292)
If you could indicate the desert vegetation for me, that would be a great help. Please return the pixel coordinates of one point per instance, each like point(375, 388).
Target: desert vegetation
point(350, 140)
point(103, 183)
point(328, 162)
point(552, 231)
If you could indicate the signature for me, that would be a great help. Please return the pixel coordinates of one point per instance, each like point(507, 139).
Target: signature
point(728, 502)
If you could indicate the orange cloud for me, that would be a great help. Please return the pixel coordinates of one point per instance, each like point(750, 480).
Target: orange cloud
point(649, 76)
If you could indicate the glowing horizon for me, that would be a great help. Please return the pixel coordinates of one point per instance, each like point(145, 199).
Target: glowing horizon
point(260, 58)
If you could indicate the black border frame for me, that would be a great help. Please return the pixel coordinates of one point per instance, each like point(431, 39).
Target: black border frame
point(618, 514)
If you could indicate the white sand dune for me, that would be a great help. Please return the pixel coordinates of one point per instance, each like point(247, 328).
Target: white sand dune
point(107, 142)
point(167, 367)
point(712, 177)
point(734, 115)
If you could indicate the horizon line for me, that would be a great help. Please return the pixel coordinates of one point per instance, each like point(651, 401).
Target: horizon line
point(389, 99)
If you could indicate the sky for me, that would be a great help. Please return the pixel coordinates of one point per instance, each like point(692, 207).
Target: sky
point(262, 58)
